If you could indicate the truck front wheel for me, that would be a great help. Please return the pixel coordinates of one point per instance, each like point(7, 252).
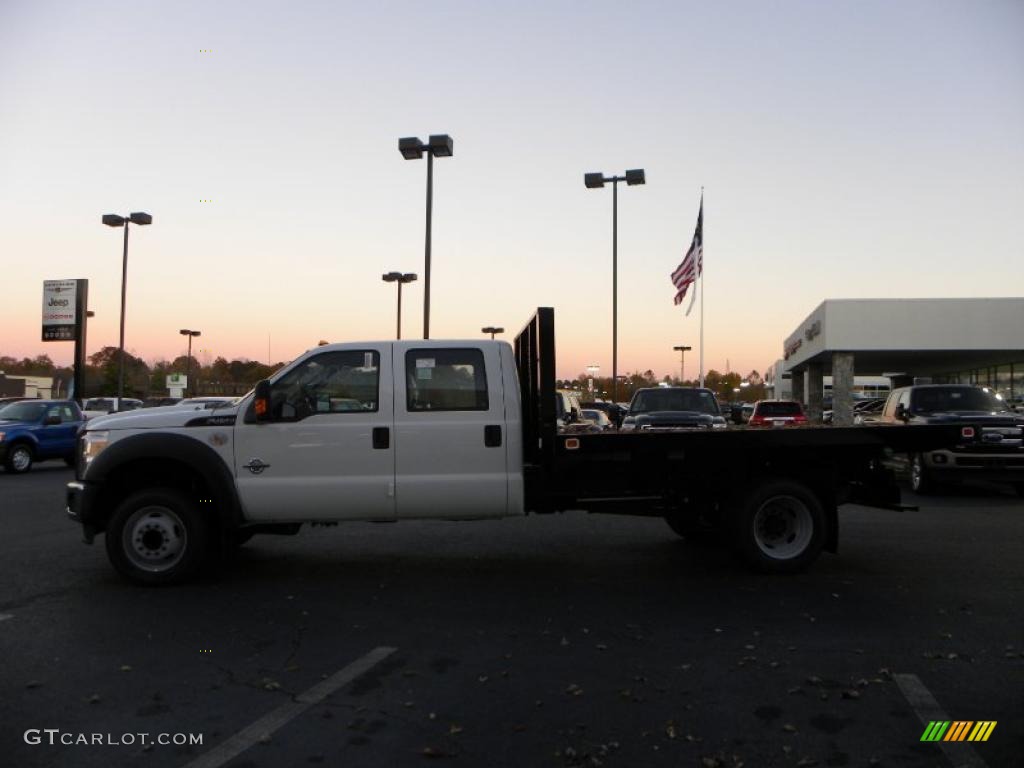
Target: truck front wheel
point(19, 458)
point(157, 537)
point(781, 527)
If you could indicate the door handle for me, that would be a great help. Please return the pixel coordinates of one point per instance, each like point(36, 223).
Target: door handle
point(381, 438)
point(492, 435)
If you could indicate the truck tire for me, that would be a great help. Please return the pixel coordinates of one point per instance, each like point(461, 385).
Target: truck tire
point(921, 480)
point(19, 458)
point(157, 537)
point(780, 527)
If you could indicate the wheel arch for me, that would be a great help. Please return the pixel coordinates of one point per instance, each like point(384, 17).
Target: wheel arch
point(163, 460)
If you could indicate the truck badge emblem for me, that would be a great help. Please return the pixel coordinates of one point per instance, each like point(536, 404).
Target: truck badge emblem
point(256, 466)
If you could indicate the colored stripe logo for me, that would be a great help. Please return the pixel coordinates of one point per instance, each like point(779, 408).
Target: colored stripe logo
point(958, 730)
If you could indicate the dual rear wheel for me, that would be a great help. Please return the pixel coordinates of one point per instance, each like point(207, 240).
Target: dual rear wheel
point(778, 526)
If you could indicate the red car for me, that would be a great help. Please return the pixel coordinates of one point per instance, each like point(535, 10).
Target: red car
point(777, 413)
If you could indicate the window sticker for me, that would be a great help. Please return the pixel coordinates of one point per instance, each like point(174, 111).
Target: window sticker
point(424, 362)
point(424, 374)
point(368, 360)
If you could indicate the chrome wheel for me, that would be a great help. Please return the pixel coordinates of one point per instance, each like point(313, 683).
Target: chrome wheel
point(154, 538)
point(21, 459)
point(783, 527)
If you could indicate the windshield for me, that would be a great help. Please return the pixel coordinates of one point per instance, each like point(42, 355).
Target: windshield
point(99, 404)
point(699, 400)
point(22, 411)
point(779, 409)
point(942, 399)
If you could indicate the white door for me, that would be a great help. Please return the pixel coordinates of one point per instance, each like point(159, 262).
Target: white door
point(328, 452)
point(450, 431)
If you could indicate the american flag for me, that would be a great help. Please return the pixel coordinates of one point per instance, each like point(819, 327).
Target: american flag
point(693, 263)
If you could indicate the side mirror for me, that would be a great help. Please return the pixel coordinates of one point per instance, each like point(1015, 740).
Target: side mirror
point(50, 421)
point(901, 412)
point(261, 401)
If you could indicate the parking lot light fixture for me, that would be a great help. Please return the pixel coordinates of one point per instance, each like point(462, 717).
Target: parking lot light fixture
point(400, 278)
point(438, 145)
point(492, 330)
point(596, 181)
point(113, 220)
point(188, 360)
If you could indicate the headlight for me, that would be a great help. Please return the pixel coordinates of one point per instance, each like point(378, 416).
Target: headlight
point(718, 422)
point(93, 444)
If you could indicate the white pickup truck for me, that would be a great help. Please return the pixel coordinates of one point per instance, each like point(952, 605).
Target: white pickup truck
point(454, 430)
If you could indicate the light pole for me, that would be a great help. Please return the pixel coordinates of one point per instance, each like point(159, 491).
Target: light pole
point(438, 145)
point(682, 356)
point(492, 330)
point(113, 220)
point(596, 181)
point(188, 361)
point(400, 278)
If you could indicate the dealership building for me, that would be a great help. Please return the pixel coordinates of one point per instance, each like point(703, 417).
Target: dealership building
point(864, 346)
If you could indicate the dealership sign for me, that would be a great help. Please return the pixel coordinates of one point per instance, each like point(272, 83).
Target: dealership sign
point(59, 307)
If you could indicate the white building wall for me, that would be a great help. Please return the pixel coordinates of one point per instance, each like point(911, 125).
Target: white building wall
point(902, 324)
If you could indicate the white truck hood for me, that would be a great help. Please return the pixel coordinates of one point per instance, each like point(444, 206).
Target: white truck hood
point(159, 418)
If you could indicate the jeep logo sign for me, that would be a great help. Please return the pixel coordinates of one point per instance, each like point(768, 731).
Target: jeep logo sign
point(59, 310)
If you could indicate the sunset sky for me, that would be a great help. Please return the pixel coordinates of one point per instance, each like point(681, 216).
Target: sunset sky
point(846, 149)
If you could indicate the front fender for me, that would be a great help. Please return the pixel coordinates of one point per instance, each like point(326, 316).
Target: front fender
point(22, 435)
point(151, 451)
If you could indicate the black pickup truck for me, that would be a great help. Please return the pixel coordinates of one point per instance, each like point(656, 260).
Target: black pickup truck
point(994, 453)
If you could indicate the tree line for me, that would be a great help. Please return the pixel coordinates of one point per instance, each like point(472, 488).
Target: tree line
point(141, 380)
point(236, 377)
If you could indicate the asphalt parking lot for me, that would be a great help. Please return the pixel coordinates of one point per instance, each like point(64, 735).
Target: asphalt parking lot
point(570, 640)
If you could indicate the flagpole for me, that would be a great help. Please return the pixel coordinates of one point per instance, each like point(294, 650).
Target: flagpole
point(702, 291)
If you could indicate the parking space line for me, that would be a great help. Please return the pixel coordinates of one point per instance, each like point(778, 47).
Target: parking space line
point(272, 721)
point(960, 755)
point(6, 616)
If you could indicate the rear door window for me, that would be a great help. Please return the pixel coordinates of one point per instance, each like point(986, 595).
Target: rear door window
point(445, 380)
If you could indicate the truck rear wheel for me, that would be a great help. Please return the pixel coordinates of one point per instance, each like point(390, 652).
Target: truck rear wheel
point(157, 537)
point(780, 527)
point(921, 480)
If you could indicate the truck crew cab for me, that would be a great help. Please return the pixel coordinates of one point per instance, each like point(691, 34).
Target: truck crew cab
point(454, 430)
